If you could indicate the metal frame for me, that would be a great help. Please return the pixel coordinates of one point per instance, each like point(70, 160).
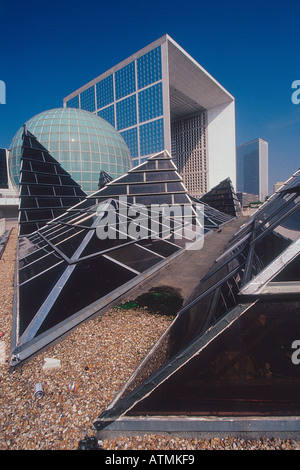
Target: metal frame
point(252, 280)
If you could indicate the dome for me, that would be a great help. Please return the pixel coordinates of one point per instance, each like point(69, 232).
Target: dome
point(82, 142)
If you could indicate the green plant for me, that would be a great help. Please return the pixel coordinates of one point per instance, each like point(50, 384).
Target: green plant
point(131, 304)
point(164, 300)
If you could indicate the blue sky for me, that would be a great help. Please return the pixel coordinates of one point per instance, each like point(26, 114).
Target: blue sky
point(51, 48)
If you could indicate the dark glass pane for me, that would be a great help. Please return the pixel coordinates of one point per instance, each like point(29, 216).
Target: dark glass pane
point(147, 188)
point(68, 202)
point(90, 281)
point(41, 191)
point(67, 181)
point(162, 176)
point(28, 202)
point(165, 165)
point(49, 202)
point(33, 154)
point(39, 265)
point(181, 199)
point(158, 246)
point(150, 166)
point(48, 179)
point(114, 190)
point(246, 370)
point(133, 178)
point(43, 167)
point(96, 245)
point(28, 178)
point(135, 257)
point(69, 246)
point(159, 199)
point(64, 191)
point(39, 215)
point(290, 273)
point(175, 187)
point(30, 302)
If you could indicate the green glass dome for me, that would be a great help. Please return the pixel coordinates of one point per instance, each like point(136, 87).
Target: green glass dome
point(82, 142)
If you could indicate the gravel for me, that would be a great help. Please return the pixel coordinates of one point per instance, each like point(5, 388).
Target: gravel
point(99, 356)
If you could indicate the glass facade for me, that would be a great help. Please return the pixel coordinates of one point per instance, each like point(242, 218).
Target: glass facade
point(150, 103)
point(151, 137)
point(74, 102)
point(131, 100)
point(83, 143)
point(149, 68)
point(108, 114)
point(126, 112)
point(87, 99)
point(105, 92)
point(131, 137)
point(251, 172)
point(125, 81)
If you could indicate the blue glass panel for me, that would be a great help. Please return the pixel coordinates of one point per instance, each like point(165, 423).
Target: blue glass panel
point(108, 114)
point(105, 92)
point(87, 99)
point(150, 103)
point(131, 139)
point(73, 102)
point(126, 112)
point(152, 137)
point(125, 81)
point(149, 68)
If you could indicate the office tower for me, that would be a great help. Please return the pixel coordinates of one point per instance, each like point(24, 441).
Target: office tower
point(252, 168)
point(160, 98)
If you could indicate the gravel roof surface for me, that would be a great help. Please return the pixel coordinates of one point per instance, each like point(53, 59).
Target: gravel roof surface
point(99, 356)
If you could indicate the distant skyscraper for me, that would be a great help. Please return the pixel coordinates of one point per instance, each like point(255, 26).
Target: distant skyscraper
point(252, 168)
point(160, 98)
point(3, 169)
